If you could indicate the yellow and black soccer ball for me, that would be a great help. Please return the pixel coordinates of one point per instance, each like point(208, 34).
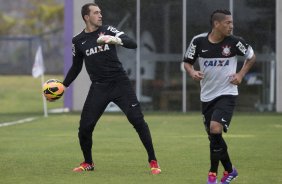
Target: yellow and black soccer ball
point(53, 89)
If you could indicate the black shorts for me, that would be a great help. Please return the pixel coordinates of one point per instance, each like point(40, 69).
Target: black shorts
point(120, 92)
point(220, 110)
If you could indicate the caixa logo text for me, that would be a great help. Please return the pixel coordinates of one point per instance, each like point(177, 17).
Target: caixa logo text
point(217, 62)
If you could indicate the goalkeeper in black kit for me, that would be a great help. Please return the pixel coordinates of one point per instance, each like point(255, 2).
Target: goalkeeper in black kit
point(96, 45)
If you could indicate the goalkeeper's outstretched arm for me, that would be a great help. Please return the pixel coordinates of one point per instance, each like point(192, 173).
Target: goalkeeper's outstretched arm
point(128, 42)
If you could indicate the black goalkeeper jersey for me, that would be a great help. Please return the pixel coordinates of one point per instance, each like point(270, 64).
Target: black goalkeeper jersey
point(101, 60)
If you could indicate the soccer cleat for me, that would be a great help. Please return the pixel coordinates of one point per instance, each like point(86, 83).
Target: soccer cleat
point(155, 168)
point(212, 178)
point(84, 167)
point(228, 177)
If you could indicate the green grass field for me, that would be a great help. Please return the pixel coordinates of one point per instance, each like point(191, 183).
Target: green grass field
point(45, 150)
point(20, 97)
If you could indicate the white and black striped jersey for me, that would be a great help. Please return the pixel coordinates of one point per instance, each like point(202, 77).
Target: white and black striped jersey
point(101, 60)
point(218, 62)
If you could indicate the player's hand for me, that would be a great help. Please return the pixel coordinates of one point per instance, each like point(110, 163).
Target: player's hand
point(236, 79)
point(109, 40)
point(64, 87)
point(197, 75)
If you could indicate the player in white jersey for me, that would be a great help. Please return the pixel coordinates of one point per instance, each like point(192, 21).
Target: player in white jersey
point(216, 53)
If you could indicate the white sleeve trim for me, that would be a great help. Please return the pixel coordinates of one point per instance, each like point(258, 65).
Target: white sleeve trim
point(120, 33)
point(250, 53)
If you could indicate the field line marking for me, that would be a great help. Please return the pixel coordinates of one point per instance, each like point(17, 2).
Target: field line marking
point(17, 122)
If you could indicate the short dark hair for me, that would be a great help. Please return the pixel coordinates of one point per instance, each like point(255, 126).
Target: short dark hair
point(85, 9)
point(218, 15)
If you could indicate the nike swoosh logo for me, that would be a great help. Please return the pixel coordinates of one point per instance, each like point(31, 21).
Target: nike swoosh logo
point(134, 105)
point(217, 150)
point(205, 50)
point(83, 42)
point(223, 120)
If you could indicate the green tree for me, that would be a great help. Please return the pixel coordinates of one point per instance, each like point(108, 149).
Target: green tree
point(37, 17)
point(6, 23)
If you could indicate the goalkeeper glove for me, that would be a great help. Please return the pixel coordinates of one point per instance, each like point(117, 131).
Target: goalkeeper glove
point(109, 39)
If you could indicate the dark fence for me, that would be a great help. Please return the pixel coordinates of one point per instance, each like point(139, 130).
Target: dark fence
point(17, 53)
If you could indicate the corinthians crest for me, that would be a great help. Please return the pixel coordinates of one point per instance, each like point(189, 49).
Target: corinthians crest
point(226, 50)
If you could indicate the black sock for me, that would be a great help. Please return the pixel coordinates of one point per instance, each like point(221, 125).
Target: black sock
point(87, 157)
point(225, 160)
point(216, 150)
point(145, 137)
point(86, 145)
